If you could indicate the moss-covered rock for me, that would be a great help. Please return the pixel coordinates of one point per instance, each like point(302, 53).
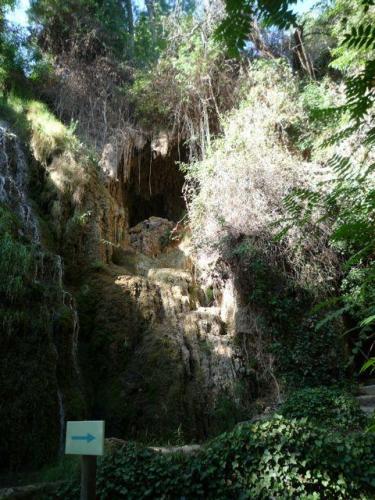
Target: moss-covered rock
point(156, 369)
point(28, 383)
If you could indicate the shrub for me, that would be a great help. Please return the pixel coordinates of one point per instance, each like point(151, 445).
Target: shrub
point(325, 406)
point(279, 458)
point(239, 187)
point(306, 357)
point(303, 355)
point(235, 199)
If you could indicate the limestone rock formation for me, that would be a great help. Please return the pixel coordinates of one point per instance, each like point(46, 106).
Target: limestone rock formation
point(167, 361)
point(149, 350)
point(151, 236)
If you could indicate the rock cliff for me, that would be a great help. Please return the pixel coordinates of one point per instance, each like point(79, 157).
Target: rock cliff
point(169, 361)
point(122, 325)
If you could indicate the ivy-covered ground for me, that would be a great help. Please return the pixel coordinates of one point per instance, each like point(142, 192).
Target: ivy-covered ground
point(279, 458)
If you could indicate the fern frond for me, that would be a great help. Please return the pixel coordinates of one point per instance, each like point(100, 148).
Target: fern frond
point(360, 37)
point(369, 365)
point(331, 316)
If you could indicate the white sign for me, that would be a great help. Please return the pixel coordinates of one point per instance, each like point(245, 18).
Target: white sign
point(85, 437)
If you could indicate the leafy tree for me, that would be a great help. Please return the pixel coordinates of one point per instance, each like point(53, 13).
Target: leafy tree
point(153, 28)
point(238, 23)
point(348, 200)
point(150, 33)
point(88, 28)
point(11, 41)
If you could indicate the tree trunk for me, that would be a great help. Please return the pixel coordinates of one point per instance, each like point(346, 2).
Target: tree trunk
point(130, 21)
point(302, 58)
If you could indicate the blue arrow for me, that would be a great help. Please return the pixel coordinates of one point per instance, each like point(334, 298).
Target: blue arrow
point(89, 437)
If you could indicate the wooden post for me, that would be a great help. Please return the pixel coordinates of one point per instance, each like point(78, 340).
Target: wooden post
point(88, 477)
point(86, 438)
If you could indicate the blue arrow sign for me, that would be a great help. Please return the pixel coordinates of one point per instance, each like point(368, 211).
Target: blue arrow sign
point(84, 437)
point(88, 438)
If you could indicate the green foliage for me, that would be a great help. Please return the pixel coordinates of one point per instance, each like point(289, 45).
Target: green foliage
point(16, 262)
point(150, 38)
point(12, 110)
point(153, 29)
point(360, 98)
point(307, 357)
point(314, 125)
point(237, 25)
point(354, 55)
point(87, 27)
point(326, 407)
point(6, 4)
point(279, 458)
point(187, 87)
point(227, 412)
point(49, 137)
point(236, 194)
point(304, 355)
point(344, 18)
point(361, 36)
point(108, 28)
point(36, 125)
point(11, 41)
point(345, 199)
point(349, 205)
point(369, 365)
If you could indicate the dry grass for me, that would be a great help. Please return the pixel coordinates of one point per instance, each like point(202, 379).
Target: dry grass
point(48, 135)
point(58, 150)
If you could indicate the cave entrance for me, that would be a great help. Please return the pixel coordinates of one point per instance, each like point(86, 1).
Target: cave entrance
point(154, 187)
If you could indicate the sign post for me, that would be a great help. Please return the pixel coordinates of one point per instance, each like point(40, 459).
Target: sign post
point(86, 438)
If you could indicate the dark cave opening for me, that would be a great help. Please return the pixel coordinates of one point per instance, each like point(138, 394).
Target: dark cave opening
point(154, 187)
